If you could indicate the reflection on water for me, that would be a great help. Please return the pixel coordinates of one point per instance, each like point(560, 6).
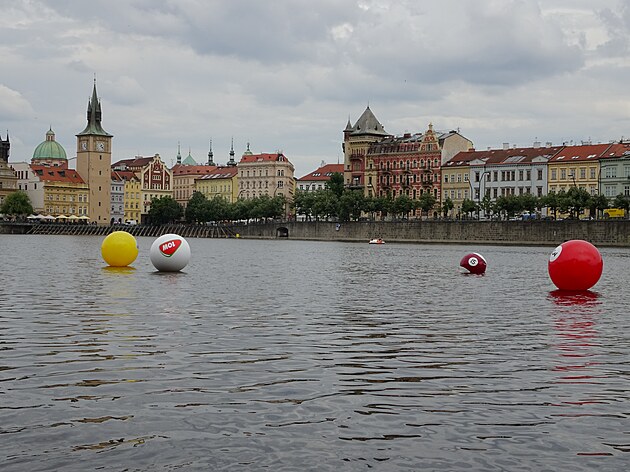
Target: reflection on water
point(268, 355)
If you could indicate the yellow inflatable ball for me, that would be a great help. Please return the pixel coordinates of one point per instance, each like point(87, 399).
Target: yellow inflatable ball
point(119, 249)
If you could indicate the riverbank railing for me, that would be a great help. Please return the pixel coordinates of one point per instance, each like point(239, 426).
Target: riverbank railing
point(186, 231)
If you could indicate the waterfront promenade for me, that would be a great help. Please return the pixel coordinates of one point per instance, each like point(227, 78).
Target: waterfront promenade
point(614, 233)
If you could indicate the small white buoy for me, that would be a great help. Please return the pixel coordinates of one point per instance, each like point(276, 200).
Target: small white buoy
point(170, 253)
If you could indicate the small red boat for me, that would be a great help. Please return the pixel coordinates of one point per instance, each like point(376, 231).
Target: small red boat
point(376, 241)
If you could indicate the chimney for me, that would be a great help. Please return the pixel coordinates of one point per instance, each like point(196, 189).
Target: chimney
point(536, 144)
point(506, 146)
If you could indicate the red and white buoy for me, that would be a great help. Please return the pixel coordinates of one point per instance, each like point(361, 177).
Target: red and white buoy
point(575, 265)
point(474, 263)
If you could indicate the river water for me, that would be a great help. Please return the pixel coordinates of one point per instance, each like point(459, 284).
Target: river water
point(293, 355)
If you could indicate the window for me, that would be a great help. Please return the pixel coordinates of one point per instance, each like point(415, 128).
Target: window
point(540, 174)
point(563, 174)
point(554, 174)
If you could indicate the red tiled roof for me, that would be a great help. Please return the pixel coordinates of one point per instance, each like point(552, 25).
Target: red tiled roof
point(124, 175)
point(56, 174)
point(179, 169)
point(225, 172)
point(324, 172)
point(617, 150)
point(503, 156)
point(276, 156)
point(586, 152)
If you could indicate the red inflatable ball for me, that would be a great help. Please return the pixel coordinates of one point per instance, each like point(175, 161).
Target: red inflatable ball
point(575, 265)
point(474, 263)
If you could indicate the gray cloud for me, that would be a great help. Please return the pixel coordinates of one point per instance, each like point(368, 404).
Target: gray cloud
point(287, 74)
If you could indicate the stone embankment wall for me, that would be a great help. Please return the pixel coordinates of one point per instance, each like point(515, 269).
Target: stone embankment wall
point(604, 233)
point(551, 233)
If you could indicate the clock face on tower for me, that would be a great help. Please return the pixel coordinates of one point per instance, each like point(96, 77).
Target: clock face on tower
point(84, 145)
point(100, 146)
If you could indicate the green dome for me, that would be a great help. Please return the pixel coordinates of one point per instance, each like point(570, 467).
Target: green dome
point(50, 149)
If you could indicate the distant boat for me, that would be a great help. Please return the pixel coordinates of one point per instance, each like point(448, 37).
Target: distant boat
point(376, 241)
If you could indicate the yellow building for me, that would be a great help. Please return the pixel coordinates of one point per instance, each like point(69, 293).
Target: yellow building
point(222, 182)
point(576, 166)
point(155, 179)
point(184, 180)
point(132, 195)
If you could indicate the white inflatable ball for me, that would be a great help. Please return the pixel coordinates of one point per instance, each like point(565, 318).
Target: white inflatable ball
point(170, 253)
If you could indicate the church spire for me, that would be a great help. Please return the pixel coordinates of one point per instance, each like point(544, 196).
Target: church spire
point(179, 154)
point(210, 155)
point(94, 116)
point(232, 162)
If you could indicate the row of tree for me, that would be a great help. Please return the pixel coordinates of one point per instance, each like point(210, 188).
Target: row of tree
point(200, 209)
point(572, 203)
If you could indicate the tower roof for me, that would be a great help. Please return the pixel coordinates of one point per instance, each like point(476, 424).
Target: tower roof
point(189, 161)
point(368, 124)
point(49, 149)
point(94, 117)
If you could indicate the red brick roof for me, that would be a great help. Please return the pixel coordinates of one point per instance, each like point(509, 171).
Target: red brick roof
point(222, 172)
point(586, 152)
point(503, 156)
point(179, 169)
point(57, 174)
point(276, 156)
point(124, 175)
point(324, 172)
point(617, 150)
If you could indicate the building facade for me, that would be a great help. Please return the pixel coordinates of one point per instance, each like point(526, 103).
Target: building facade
point(156, 179)
point(614, 171)
point(117, 210)
point(94, 155)
point(184, 178)
point(317, 179)
point(265, 174)
point(8, 179)
point(222, 182)
point(381, 164)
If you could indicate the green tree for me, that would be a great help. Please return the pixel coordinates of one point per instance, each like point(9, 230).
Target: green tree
point(335, 184)
point(598, 204)
point(528, 202)
point(487, 205)
point(622, 201)
point(351, 205)
point(552, 202)
point(217, 209)
point(164, 210)
point(195, 208)
point(468, 207)
point(325, 205)
point(579, 199)
point(447, 206)
point(426, 202)
point(17, 203)
point(402, 205)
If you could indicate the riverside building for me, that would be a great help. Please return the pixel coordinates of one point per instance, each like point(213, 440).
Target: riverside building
point(381, 164)
point(94, 157)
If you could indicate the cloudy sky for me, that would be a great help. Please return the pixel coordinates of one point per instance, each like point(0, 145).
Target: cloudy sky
point(287, 75)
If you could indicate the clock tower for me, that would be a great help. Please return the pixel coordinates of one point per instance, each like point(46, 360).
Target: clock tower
point(94, 160)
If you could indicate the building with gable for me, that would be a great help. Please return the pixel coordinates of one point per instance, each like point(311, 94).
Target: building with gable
point(156, 179)
point(185, 174)
point(496, 173)
point(265, 174)
point(614, 172)
point(577, 166)
point(221, 182)
point(381, 164)
point(317, 179)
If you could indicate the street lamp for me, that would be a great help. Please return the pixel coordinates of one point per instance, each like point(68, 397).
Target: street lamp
point(483, 173)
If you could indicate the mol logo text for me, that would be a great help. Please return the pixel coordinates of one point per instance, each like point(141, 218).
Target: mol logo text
point(169, 247)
